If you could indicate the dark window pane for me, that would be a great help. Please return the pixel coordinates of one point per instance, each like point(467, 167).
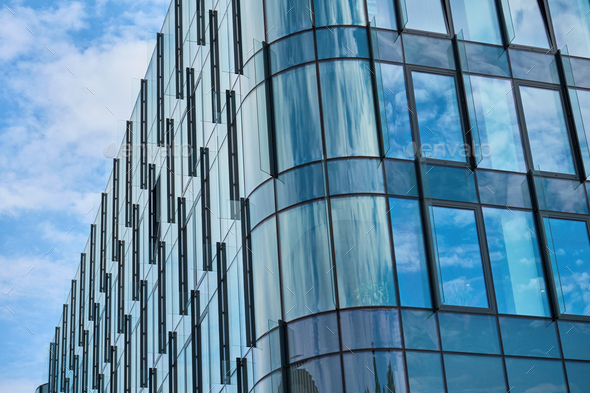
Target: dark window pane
point(469, 333)
point(262, 203)
point(319, 375)
point(429, 51)
point(363, 258)
point(291, 51)
point(390, 46)
point(580, 72)
point(313, 336)
point(534, 66)
point(529, 337)
point(519, 280)
point(451, 184)
point(426, 15)
point(401, 178)
point(566, 14)
point(373, 372)
point(474, 374)
point(410, 256)
point(349, 114)
point(438, 116)
point(529, 27)
point(425, 372)
point(398, 118)
point(370, 329)
point(575, 340)
point(286, 17)
point(300, 184)
point(477, 20)
point(345, 12)
point(530, 375)
point(503, 189)
point(564, 196)
point(355, 176)
point(578, 376)
point(383, 11)
point(342, 42)
point(305, 259)
point(420, 329)
point(485, 59)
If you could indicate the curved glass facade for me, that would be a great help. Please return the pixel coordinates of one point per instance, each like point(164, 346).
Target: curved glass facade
point(380, 195)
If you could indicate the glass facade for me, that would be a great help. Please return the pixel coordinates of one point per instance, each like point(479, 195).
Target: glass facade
point(345, 196)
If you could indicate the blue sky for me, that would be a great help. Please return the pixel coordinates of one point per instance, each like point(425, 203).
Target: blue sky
point(62, 64)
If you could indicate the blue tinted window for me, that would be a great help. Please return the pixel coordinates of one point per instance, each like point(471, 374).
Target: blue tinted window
point(410, 256)
point(313, 336)
point(534, 66)
point(398, 116)
point(503, 189)
point(451, 183)
point(578, 376)
point(564, 196)
point(261, 203)
point(370, 329)
point(458, 257)
point(575, 339)
point(420, 329)
point(485, 59)
point(425, 15)
point(382, 13)
point(401, 178)
point(568, 14)
point(477, 20)
point(285, 17)
point(547, 131)
point(529, 337)
point(344, 12)
point(300, 184)
point(325, 374)
point(529, 375)
point(349, 114)
point(580, 72)
point(527, 21)
point(363, 258)
point(468, 374)
point(292, 51)
point(438, 116)
point(342, 42)
point(390, 46)
point(386, 371)
point(429, 51)
point(267, 355)
point(469, 333)
point(425, 372)
point(519, 280)
point(355, 176)
point(305, 259)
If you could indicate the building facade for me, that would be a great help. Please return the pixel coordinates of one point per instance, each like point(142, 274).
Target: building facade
point(345, 196)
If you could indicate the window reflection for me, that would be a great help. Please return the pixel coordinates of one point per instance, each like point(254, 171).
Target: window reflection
point(396, 106)
point(420, 329)
point(285, 17)
point(342, 12)
point(529, 27)
point(532, 375)
point(363, 259)
point(578, 376)
point(469, 333)
point(529, 337)
point(292, 51)
point(385, 372)
point(321, 375)
point(477, 19)
point(344, 176)
point(313, 336)
point(425, 15)
point(383, 12)
point(342, 42)
point(425, 372)
point(567, 15)
point(370, 329)
point(468, 374)
point(458, 257)
point(547, 131)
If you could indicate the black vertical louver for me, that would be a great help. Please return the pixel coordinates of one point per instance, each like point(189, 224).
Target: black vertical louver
point(64, 345)
point(135, 257)
point(206, 209)
point(121, 289)
point(201, 25)
point(72, 324)
point(223, 314)
point(143, 134)
point(143, 339)
point(96, 347)
point(92, 272)
point(215, 68)
point(127, 355)
point(170, 169)
point(81, 311)
point(196, 339)
point(160, 89)
point(233, 148)
point(182, 257)
point(178, 41)
point(162, 298)
point(115, 218)
point(237, 28)
point(103, 241)
point(172, 364)
point(247, 268)
point(107, 319)
point(129, 174)
point(191, 118)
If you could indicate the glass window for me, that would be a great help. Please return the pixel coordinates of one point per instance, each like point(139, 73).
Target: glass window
point(398, 117)
point(291, 51)
point(571, 248)
point(401, 178)
point(313, 336)
point(252, 11)
point(580, 72)
point(342, 42)
point(425, 15)
point(262, 203)
point(527, 21)
point(497, 124)
point(425, 372)
point(355, 176)
point(390, 46)
point(305, 259)
point(578, 376)
point(383, 13)
point(420, 329)
point(267, 295)
point(374, 372)
point(529, 337)
point(363, 258)
point(503, 189)
point(410, 256)
point(534, 66)
point(284, 17)
point(270, 384)
point(477, 19)
point(468, 374)
point(267, 354)
point(564, 196)
point(530, 375)
point(458, 257)
point(547, 131)
point(349, 114)
point(370, 329)
point(451, 183)
point(575, 339)
point(484, 59)
point(438, 115)
point(519, 280)
point(297, 117)
point(300, 184)
point(429, 51)
point(344, 12)
point(322, 375)
point(469, 333)
point(567, 15)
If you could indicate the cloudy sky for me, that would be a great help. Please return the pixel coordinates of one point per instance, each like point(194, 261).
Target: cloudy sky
point(68, 74)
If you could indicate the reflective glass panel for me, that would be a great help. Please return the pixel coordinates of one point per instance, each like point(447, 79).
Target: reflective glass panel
point(285, 17)
point(529, 27)
point(291, 51)
point(451, 183)
point(569, 15)
point(363, 258)
point(420, 329)
point(534, 66)
point(519, 280)
point(530, 375)
point(410, 256)
point(390, 46)
point(529, 337)
point(321, 375)
point(384, 13)
point(373, 372)
point(426, 15)
point(349, 114)
point(575, 340)
point(503, 189)
point(438, 115)
point(469, 333)
point(497, 124)
point(401, 178)
point(297, 117)
point(425, 372)
point(313, 336)
point(572, 251)
point(355, 176)
point(345, 12)
point(469, 374)
point(458, 257)
point(342, 42)
point(398, 116)
point(580, 75)
point(305, 259)
point(261, 203)
point(547, 131)
point(485, 59)
point(429, 51)
point(300, 184)
point(370, 329)
point(578, 376)
point(564, 196)
point(477, 19)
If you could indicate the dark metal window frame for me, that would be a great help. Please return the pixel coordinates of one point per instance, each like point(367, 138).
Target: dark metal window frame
point(191, 121)
point(178, 38)
point(107, 319)
point(233, 150)
point(196, 345)
point(182, 246)
point(215, 67)
point(143, 134)
point(170, 175)
point(201, 24)
point(247, 273)
point(143, 343)
point(237, 32)
point(96, 347)
point(72, 324)
point(136, 263)
point(206, 210)
point(81, 303)
point(129, 174)
point(172, 364)
point(121, 289)
point(115, 218)
point(103, 240)
point(127, 355)
point(160, 87)
point(162, 298)
point(154, 213)
point(223, 314)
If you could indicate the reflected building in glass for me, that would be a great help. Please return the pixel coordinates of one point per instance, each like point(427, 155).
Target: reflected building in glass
point(360, 196)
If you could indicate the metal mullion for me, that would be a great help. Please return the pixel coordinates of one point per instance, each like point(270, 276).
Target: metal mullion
point(103, 241)
point(182, 257)
point(375, 90)
point(160, 89)
point(547, 21)
point(170, 175)
point(143, 347)
point(136, 246)
point(143, 135)
point(178, 52)
point(121, 289)
point(162, 298)
point(127, 355)
point(114, 370)
point(172, 364)
point(115, 217)
point(72, 324)
point(196, 357)
point(237, 30)
point(201, 22)
point(271, 127)
point(129, 174)
point(107, 319)
point(96, 346)
point(247, 272)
